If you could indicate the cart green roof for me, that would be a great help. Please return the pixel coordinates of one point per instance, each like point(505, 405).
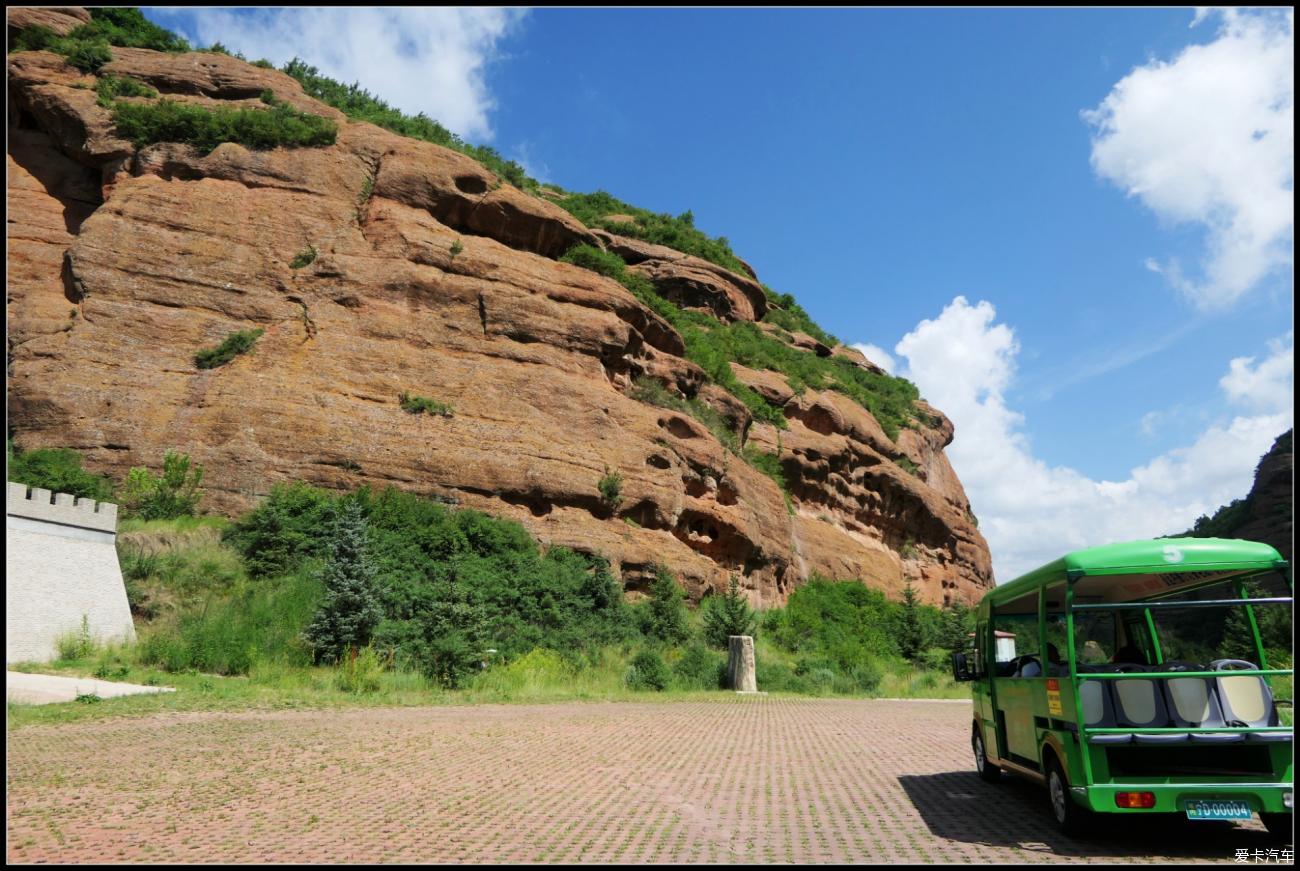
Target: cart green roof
point(1151, 556)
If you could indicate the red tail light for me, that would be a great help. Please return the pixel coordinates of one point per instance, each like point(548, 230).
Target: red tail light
point(1135, 799)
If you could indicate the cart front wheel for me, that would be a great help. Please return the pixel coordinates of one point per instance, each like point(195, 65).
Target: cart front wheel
point(987, 770)
point(1071, 818)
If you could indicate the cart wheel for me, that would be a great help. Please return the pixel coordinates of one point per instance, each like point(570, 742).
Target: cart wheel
point(1071, 818)
point(987, 770)
point(1279, 826)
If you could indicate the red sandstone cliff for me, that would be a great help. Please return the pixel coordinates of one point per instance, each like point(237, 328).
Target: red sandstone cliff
point(435, 278)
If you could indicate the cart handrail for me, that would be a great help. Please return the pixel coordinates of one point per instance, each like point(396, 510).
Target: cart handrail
point(1145, 675)
point(1120, 730)
point(1191, 603)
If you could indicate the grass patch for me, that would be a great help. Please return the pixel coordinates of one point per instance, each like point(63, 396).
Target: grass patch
point(907, 465)
point(232, 346)
point(424, 405)
point(109, 88)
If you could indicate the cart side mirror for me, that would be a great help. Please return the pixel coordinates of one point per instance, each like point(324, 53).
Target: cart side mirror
point(960, 671)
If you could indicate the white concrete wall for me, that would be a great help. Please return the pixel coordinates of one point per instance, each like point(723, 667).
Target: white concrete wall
point(60, 565)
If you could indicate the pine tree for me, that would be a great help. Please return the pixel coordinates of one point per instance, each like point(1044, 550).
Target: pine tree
point(665, 614)
point(350, 610)
point(911, 636)
point(955, 631)
point(728, 615)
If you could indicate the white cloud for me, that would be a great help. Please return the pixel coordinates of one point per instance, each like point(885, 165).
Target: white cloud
point(1208, 138)
point(1268, 386)
point(418, 59)
point(1030, 512)
point(876, 355)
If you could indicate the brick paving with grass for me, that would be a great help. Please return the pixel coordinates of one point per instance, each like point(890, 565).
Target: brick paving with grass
point(743, 779)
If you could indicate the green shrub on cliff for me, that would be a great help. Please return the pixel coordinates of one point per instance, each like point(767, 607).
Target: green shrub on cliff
point(232, 346)
point(424, 405)
point(207, 127)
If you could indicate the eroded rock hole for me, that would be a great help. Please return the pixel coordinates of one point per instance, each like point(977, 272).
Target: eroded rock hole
point(471, 184)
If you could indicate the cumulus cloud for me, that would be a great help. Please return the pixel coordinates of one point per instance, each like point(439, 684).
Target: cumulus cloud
point(1208, 138)
point(418, 59)
point(1030, 512)
point(877, 355)
point(1267, 386)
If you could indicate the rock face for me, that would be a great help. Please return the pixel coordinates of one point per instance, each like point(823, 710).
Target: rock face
point(433, 278)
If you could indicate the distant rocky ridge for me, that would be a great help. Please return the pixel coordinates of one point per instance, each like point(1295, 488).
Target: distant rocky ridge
point(435, 278)
point(1267, 512)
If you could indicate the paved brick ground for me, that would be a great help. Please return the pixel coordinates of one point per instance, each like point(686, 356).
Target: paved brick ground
point(743, 780)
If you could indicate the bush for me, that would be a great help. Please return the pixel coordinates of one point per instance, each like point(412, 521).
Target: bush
point(663, 616)
point(423, 405)
point(284, 531)
point(233, 345)
point(174, 494)
point(58, 470)
point(647, 672)
point(699, 669)
point(727, 615)
point(351, 610)
point(207, 127)
point(303, 258)
point(610, 487)
point(87, 55)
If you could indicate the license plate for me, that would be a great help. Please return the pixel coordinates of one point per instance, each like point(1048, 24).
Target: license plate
point(1218, 809)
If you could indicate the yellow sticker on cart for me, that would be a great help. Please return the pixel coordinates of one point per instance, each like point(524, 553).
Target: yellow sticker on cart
point(1054, 697)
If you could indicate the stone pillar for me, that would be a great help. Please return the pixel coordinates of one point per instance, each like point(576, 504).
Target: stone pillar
point(741, 675)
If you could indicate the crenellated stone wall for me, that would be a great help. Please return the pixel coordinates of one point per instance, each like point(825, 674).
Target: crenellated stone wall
point(60, 567)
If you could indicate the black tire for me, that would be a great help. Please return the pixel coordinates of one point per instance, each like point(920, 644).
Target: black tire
point(1279, 826)
point(988, 772)
point(1072, 819)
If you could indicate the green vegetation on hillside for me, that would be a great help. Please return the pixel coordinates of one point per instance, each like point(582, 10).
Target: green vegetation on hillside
point(713, 346)
point(1229, 518)
point(360, 105)
point(207, 127)
point(678, 232)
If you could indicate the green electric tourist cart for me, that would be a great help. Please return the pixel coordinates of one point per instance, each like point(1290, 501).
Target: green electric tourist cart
point(1139, 678)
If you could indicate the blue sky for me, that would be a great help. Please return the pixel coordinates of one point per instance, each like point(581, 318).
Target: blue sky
point(930, 183)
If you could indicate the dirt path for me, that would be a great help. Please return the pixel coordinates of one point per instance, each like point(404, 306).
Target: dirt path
point(743, 780)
